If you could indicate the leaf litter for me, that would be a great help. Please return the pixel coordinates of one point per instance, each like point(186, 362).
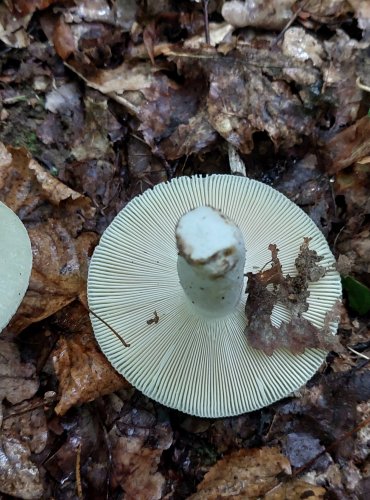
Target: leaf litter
point(100, 101)
point(291, 292)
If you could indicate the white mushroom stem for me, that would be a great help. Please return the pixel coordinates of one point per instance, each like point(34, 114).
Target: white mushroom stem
point(211, 261)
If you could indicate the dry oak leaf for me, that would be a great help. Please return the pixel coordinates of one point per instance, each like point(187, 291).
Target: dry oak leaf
point(54, 216)
point(243, 474)
point(83, 372)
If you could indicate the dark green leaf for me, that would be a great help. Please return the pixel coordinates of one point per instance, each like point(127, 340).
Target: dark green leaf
point(358, 295)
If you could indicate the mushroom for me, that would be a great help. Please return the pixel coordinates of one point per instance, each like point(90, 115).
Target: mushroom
point(15, 263)
point(169, 276)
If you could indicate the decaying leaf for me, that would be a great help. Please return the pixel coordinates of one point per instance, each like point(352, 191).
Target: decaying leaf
point(19, 476)
point(348, 146)
point(292, 292)
point(54, 215)
point(266, 14)
point(296, 489)
point(138, 440)
point(249, 473)
point(83, 372)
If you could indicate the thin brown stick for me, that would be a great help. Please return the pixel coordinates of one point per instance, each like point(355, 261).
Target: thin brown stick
point(343, 437)
point(108, 326)
point(78, 472)
point(289, 23)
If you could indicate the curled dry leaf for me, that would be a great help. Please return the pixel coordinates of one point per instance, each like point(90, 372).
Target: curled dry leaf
point(83, 372)
point(138, 440)
point(248, 473)
point(54, 215)
point(292, 292)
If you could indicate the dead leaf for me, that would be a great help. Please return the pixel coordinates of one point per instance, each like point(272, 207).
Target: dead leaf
point(242, 102)
point(18, 380)
point(247, 473)
point(292, 292)
point(83, 372)
point(19, 476)
point(348, 146)
point(138, 441)
point(354, 185)
point(357, 249)
point(54, 215)
point(296, 489)
point(266, 14)
point(13, 27)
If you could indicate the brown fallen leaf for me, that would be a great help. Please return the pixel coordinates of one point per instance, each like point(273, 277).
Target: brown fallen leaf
point(354, 185)
point(296, 489)
point(247, 473)
point(242, 101)
point(83, 372)
point(265, 14)
point(54, 215)
point(18, 380)
point(20, 435)
point(348, 146)
point(19, 476)
point(299, 334)
point(357, 249)
point(138, 440)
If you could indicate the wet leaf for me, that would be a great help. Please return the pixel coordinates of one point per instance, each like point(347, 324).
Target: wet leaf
point(18, 380)
point(138, 440)
point(19, 477)
point(54, 215)
point(358, 294)
point(266, 14)
point(83, 372)
point(348, 146)
point(243, 474)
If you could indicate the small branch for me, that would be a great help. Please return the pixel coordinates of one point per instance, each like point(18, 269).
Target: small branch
point(288, 25)
point(108, 326)
point(206, 22)
point(78, 473)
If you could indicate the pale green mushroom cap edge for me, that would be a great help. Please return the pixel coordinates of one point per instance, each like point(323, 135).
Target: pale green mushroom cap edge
point(15, 263)
point(201, 366)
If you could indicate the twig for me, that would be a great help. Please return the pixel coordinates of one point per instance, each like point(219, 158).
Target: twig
point(361, 85)
point(288, 24)
point(78, 472)
point(206, 22)
point(108, 326)
point(343, 437)
point(359, 354)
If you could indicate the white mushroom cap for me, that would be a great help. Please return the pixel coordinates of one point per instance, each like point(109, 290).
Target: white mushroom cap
point(201, 365)
point(15, 263)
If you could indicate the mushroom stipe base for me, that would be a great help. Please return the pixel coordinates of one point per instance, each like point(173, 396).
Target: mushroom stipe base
point(201, 365)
